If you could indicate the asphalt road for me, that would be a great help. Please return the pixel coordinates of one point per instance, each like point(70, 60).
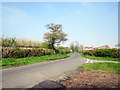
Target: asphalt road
point(29, 75)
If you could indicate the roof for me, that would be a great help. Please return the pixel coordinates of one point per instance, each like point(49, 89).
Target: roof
point(105, 46)
point(88, 47)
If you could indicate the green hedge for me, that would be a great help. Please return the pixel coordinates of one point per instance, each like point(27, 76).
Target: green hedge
point(88, 52)
point(114, 53)
point(63, 51)
point(20, 52)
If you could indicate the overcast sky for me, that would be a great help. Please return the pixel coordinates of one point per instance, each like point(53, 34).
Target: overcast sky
point(89, 23)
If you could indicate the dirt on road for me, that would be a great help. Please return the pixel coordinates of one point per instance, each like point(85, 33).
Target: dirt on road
point(88, 79)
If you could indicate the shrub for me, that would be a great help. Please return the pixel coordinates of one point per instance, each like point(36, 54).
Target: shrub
point(13, 42)
point(8, 42)
point(88, 52)
point(114, 53)
point(8, 52)
point(18, 53)
point(63, 50)
point(106, 53)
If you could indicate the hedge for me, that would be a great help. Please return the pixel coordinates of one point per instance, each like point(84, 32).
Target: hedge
point(8, 52)
point(63, 51)
point(114, 53)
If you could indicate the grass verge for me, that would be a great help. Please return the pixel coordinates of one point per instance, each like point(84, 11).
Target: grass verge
point(105, 67)
point(12, 62)
point(101, 58)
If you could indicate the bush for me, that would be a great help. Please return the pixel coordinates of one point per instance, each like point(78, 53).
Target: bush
point(13, 42)
point(8, 52)
point(18, 53)
point(88, 52)
point(114, 53)
point(106, 53)
point(8, 42)
point(62, 50)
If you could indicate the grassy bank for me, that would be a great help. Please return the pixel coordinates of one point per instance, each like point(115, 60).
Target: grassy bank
point(102, 67)
point(12, 62)
point(101, 58)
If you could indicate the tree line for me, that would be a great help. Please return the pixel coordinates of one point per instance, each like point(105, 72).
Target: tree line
point(52, 40)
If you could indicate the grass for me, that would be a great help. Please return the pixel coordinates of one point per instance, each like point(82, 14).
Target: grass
point(105, 67)
point(0, 62)
point(12, 62)
point(101, 58)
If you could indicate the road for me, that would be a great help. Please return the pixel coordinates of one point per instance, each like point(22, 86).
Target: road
point(29, 75)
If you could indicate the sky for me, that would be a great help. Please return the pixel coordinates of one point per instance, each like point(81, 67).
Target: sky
point(88, 23)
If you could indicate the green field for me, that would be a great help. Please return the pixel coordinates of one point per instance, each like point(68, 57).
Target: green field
point(12, 62)
point(102, 67)
point(101, 58)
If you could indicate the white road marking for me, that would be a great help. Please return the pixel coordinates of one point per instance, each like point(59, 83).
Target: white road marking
point(91, 61)
point(87, 61)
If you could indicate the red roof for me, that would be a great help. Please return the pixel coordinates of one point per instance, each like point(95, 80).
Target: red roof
point(107, 46)
point(88, 47)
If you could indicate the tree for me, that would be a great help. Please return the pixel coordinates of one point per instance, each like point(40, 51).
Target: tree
point(118, 45)
point(8, 42)
point(81, 47)
point(45, 45)
point(63, 50)
point(55, 36)
point(75, 47)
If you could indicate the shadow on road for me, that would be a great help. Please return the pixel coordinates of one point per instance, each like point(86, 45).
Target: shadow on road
point(48, 84)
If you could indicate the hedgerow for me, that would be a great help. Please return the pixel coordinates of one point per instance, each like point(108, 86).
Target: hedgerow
point(14, 52)
point(114, 53)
